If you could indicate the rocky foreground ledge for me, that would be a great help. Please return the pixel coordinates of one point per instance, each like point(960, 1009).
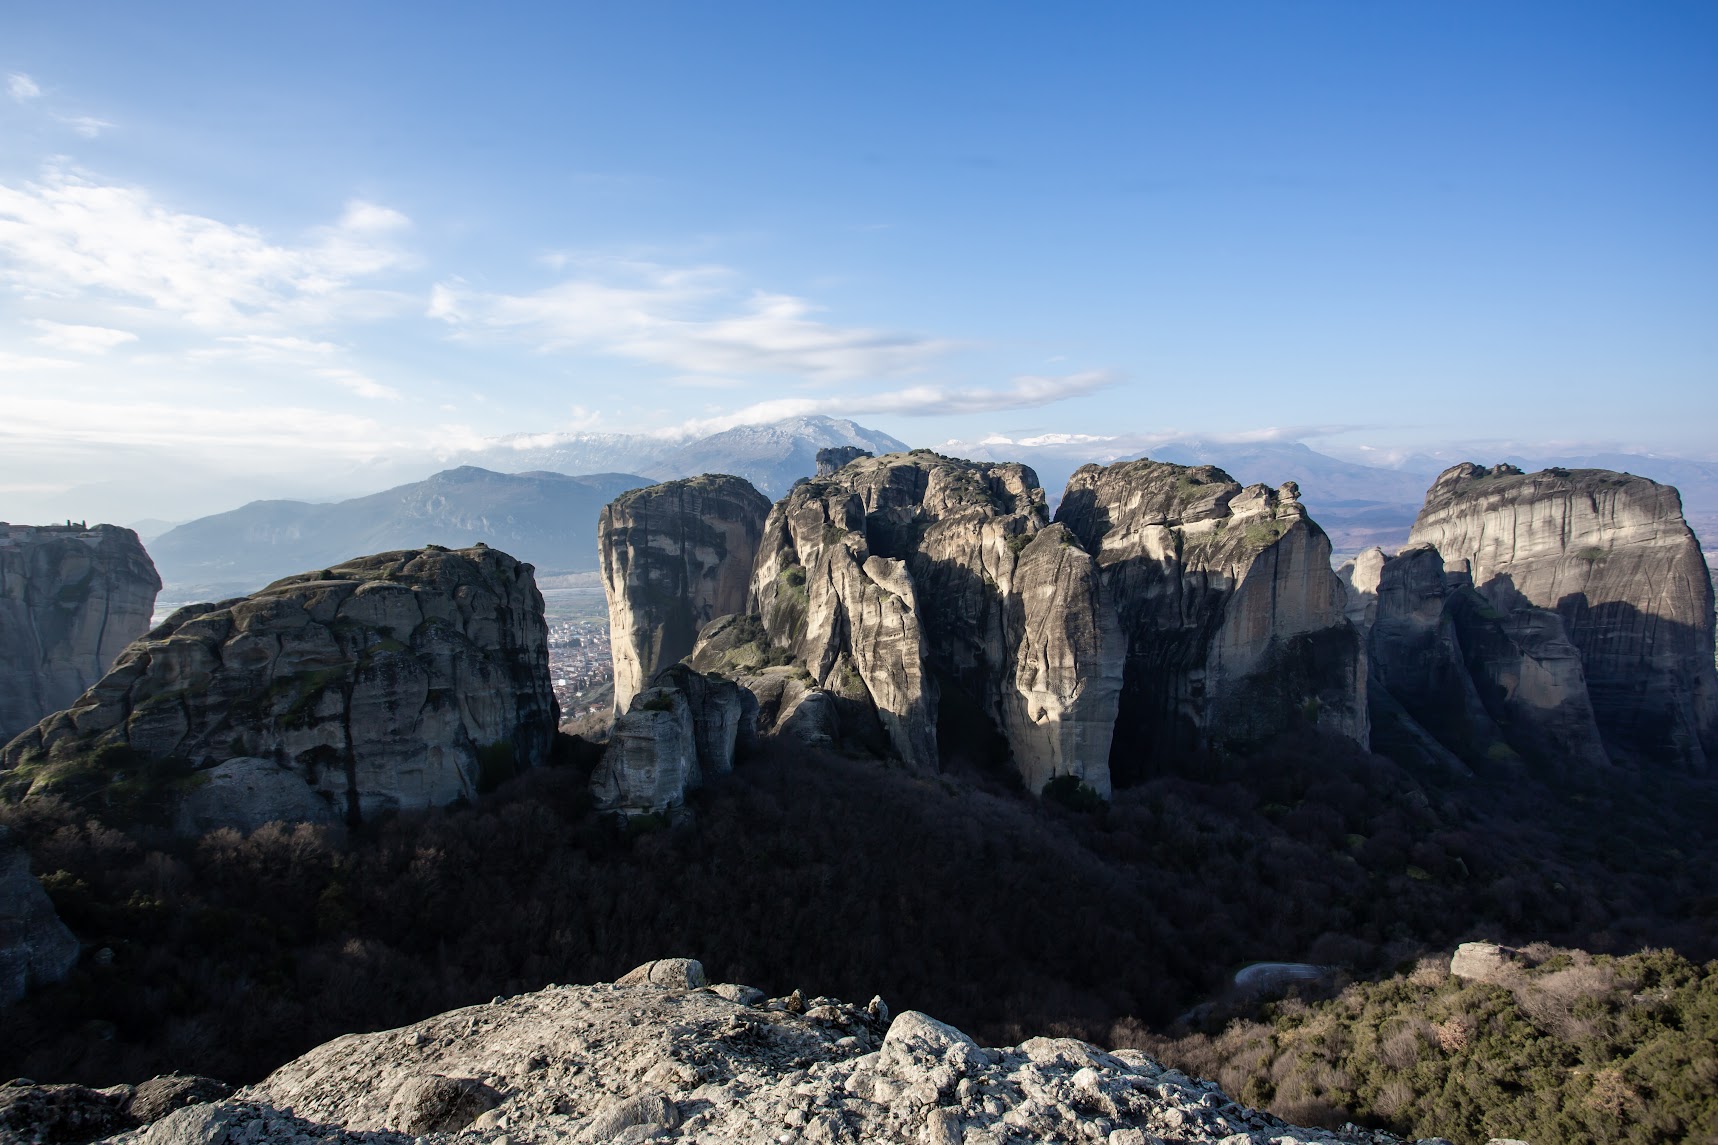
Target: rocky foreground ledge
point(660, 1055)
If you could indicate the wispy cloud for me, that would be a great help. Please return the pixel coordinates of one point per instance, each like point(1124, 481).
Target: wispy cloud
point(360, 384)
point(695, 319)
point(917, 401)
point(21, 87)
point(80, 339)
point(70, 236)
point(87, 126)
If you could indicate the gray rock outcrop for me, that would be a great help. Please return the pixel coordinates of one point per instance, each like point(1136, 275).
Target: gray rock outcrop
point(246, 793)
point(35, 946)
point(635, 1061)
point(1234, 621)
point(675, 556)
point(899, 599)
point(1496, 689)
point(922, 589)
point(1612, 555)
point(683, 729)
point(405, 679)
point(71, 599)
point(836, 456)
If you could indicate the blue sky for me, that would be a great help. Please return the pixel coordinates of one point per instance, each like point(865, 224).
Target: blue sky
point(256, 248)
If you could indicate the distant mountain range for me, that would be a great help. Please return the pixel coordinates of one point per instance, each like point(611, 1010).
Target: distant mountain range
point(518, 494)
point(772, 456)
point(548, 519)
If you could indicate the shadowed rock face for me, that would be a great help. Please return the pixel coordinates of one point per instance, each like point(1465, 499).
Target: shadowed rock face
point(674, 557)
point(1613, 557)
point(71, 599)
point(400, 680)
point(1233, 618)
point(1494, 688)
point(35, 946)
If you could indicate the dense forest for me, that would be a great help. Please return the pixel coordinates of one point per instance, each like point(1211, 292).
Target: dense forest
point(957, 894)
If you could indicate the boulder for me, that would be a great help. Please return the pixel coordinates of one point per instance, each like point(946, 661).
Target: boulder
point(402, 680)
point(652, 756)
point(1613, 557)
point(1234, 621)
point(71, 599)
point(35, 946)
point(669, 973)
point(1483, 962)
point(244, 794)
point(674, 557)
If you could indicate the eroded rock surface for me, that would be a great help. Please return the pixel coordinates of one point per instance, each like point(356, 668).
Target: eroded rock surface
point(674, 557)
point(35, 946)
point(1234, 621)
point(1612, 555)
point(71, 599)
point(1496, 689)
point(679, 731)
point(406, 679)
point(627, 1063)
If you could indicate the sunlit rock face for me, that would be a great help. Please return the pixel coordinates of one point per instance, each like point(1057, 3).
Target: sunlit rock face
point(401, 680)
point(1233, 620)
point(71, 599)
point(674, 557)
point(918, 588)
point(1612, 556)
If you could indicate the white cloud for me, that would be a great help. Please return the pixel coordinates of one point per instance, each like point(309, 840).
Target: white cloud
point(80, 339)
point(21, 87)
point(693, 319)
point(69, 236)
point(363, 386)
point(87, 126)
point(917, 401)
point(19, 363)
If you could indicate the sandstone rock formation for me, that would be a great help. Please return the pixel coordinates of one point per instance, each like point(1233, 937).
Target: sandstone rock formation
point(918, 588)
point(71, 599)
point(626, 1063)
point(902, 600)
point(1234, 621)
point(406, 679)
point(35, 946)
point(683, 728)
point(674, 557)
point(1613, 557)
point(1493, 688)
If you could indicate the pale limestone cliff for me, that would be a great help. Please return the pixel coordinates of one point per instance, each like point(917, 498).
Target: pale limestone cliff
point(71, 599)
point(1612, 555)
point(674, 557)
point(1234, 621)
point(401, 680)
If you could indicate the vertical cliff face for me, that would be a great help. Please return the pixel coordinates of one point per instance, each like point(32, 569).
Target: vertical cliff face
point(893, 578)
point(71, 599)
point(400, 680)
point(1612, 555)
point(674, 557)
point(1233, 618)
point(1498, 689)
